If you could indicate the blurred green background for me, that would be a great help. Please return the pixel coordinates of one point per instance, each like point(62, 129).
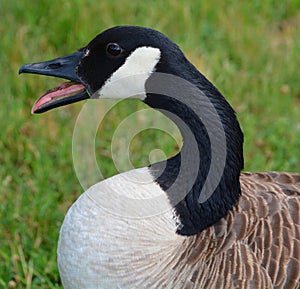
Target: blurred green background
point(249, 49)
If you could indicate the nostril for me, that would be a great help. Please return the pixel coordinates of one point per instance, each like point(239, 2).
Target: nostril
point(54, 65)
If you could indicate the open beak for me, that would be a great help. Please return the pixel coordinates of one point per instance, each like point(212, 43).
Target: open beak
point(68, 92)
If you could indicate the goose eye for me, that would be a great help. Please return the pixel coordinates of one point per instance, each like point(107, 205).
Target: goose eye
point(114, 49)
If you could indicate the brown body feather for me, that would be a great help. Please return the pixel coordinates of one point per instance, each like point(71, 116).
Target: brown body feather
point(256, 246)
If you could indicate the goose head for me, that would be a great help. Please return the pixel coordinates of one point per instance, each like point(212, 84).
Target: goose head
point(138, 62)
point(115, 64)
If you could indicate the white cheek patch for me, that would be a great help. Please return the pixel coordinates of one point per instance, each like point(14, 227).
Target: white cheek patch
point(129, 80)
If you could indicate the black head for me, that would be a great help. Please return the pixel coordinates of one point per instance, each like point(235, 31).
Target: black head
point(110, 50)
point(92, 66)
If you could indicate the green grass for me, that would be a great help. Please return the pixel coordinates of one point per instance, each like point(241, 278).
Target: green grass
point(248, 49)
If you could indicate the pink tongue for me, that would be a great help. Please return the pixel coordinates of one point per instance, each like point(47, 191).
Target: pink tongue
point(62, 91)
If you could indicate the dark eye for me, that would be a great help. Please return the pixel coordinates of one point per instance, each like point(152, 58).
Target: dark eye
point(113, 49)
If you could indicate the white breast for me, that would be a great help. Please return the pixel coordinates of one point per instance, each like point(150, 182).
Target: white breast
point(107, 242)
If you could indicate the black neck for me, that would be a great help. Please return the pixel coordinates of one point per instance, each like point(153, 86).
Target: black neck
point(202, 181)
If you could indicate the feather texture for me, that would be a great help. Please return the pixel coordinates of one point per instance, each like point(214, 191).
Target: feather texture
point(255, 246)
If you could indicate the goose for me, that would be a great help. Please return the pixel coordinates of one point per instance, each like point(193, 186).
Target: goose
point(192, 221)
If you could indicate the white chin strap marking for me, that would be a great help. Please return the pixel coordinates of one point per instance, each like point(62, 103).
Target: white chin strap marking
point(129, 80)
